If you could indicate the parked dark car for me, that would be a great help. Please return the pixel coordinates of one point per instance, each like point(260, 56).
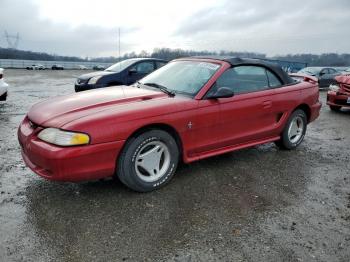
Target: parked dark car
point(57, 67)
point(326, 75)
point(125, 72)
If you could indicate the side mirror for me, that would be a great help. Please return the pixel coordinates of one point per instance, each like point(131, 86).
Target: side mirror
point(222, 92)
point(132, 71)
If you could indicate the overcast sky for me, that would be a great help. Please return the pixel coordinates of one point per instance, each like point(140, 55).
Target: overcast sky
point(90, 28)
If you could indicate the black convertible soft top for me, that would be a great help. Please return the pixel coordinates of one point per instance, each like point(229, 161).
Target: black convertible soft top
point(237, 61)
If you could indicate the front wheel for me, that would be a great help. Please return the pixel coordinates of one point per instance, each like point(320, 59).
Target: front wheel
point(294, 131)
point(148, 161)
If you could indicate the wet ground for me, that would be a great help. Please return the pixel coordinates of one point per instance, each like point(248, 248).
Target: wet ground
point(258, 204)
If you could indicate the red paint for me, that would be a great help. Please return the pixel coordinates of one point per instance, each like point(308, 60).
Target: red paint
point(342, 96)
point(110, 116)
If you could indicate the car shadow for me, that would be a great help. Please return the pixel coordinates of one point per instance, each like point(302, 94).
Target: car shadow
point(232, 190)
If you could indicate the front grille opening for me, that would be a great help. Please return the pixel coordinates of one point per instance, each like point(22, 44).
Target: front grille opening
point(33, 125)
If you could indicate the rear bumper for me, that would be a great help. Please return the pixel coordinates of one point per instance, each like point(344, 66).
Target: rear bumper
point(71, 164)
point(315, 111)
point(335, 99)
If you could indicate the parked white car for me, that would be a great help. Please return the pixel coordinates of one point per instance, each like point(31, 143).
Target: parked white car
point(36, 67)
point(82, 67)
point(3, 86)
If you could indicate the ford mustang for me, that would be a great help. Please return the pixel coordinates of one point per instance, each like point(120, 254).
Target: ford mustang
point(190, 109)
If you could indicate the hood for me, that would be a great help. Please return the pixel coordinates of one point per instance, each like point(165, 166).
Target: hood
point(92, 74)
point(58, 111)
point(343, 79)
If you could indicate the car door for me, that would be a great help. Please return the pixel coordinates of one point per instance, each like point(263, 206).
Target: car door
point(332, 74)
point(139, 70)
point(325, 77)
point(249, 114)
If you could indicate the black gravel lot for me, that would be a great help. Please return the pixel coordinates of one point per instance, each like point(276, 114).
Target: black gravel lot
point(257, 204)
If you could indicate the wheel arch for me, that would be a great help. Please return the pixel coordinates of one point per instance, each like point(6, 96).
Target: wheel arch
point(306, 109)
point(161, 126)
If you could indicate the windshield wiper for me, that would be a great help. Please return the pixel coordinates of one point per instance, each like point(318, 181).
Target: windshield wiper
point(161, 88)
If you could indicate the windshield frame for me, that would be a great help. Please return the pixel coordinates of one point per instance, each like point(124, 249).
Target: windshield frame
point(187, 94)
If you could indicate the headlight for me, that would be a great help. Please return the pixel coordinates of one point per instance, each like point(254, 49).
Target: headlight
point(63, 138)
point(93, 80)
point(334, 88)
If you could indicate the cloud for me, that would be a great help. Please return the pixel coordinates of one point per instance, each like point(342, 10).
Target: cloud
point(43, 35)
point(273, 27)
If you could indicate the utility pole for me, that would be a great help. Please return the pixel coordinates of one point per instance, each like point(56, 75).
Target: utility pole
point(119, 43)
point(120, 66)
point(12, 40)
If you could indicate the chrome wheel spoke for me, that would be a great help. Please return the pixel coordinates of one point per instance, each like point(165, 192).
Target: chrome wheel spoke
point(296, 128)
point(152, 161)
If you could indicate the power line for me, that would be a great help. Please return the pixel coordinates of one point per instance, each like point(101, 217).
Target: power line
point(12, 40)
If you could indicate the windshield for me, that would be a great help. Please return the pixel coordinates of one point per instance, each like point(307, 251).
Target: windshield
point(310, 71)
point(184, 77)
point(118, 67)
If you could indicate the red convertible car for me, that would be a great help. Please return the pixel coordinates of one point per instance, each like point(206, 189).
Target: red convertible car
point(190, 109)
point(339, 95)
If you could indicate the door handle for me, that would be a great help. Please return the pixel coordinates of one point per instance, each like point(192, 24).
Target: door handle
point(267, 104)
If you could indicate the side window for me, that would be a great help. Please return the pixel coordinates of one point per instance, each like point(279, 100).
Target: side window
point(160, 64)
point(144, 67)
point(244, 79)
point(324, 71)
point(332, 71)
point(273, 80)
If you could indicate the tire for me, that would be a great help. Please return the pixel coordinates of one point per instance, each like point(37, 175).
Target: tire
point(335, 108)
point(148, 161)
point(3, 97)
point(294, 131)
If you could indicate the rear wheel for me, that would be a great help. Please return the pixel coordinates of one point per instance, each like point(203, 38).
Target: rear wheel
point(148, 161)
point(335, 108)
point(294, 131)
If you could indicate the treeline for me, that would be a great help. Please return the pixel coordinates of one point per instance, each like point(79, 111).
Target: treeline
point(8, 53)
point(170, 54)
point(330, 59)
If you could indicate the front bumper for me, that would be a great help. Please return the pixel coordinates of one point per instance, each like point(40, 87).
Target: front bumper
point(337, 99)
point(71, 164)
